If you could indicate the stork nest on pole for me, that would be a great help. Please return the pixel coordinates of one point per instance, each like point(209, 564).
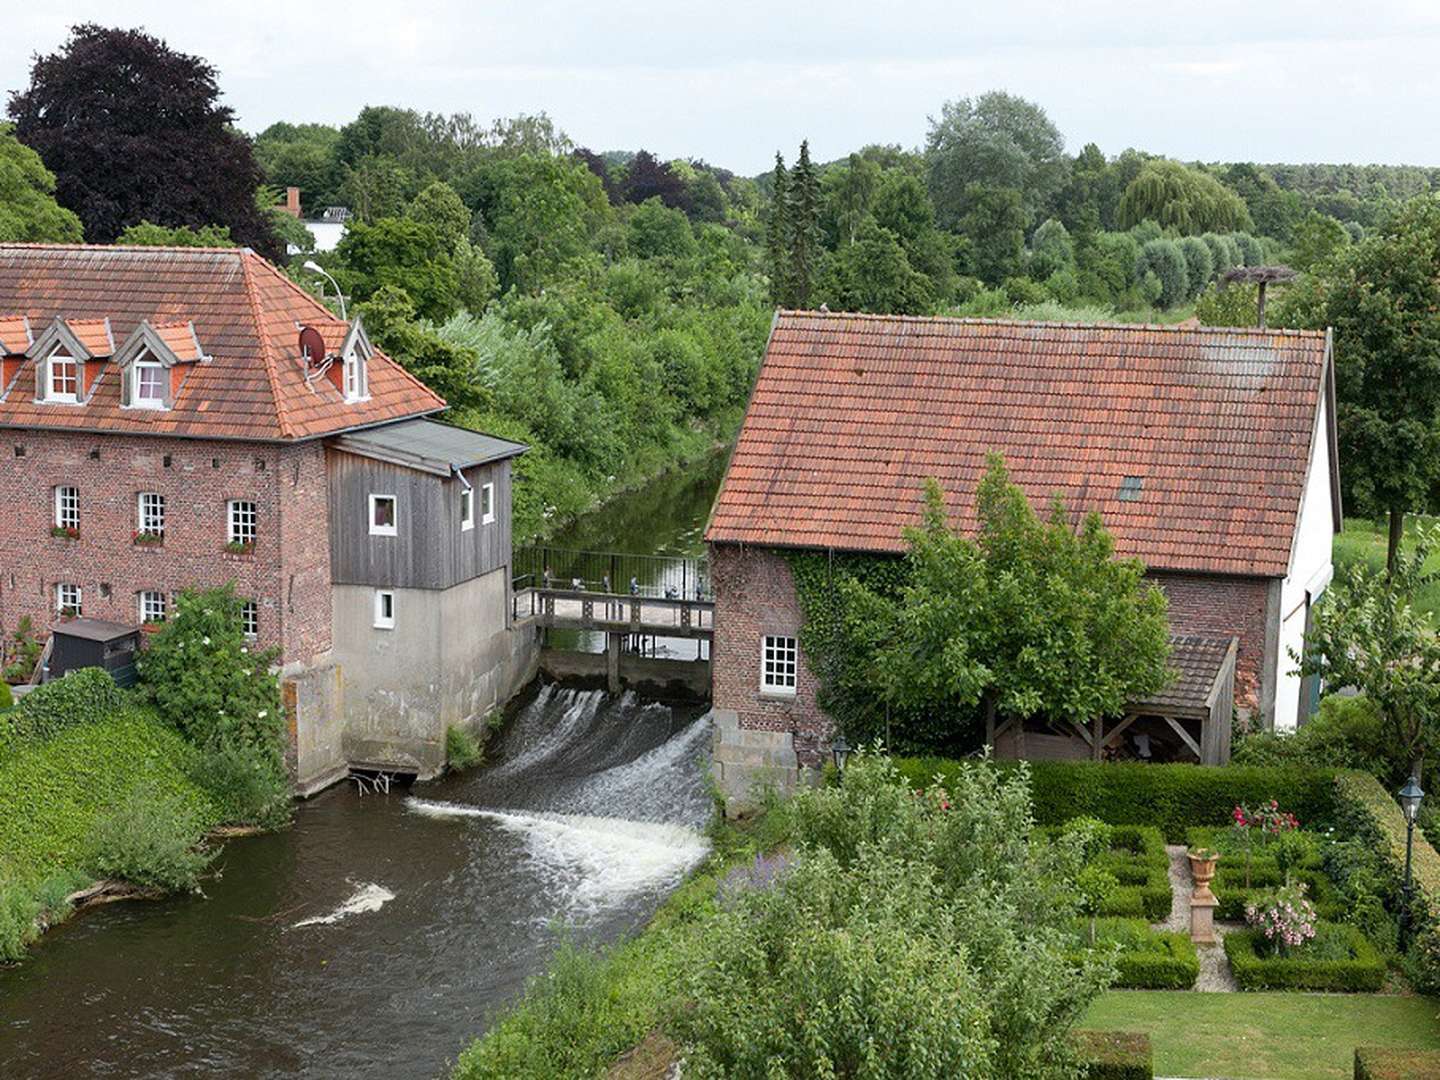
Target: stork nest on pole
point(1259, 275)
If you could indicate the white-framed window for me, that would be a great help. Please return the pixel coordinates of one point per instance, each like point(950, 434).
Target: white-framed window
point(487, 503)
point(779, 663)
point(241, 524)
point(150, 513)
point(147, 387)
point(354, 378)
point(383, 515)
point(67, 599)
point(67, 507)
point(467, 508)
point(250, 618)
point(62, 378)
point(384, 609)
point(152, 606)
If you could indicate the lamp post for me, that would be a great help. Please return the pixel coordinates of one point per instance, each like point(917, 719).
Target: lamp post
point(840, 750)
point(316, 268)
point(1410, 796)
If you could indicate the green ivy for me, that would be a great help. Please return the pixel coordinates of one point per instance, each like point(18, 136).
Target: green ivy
point(86, 696)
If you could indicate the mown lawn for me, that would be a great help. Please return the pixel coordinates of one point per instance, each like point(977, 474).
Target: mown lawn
point(1287, 1036)
point(1365, 541)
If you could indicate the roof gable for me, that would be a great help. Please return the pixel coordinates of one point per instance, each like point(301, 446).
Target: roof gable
point(246, 313)
point(1193, 444)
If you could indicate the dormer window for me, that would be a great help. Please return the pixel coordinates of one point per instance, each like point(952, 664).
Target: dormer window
point(148, 384)
point(62, 379)
point(356, 383)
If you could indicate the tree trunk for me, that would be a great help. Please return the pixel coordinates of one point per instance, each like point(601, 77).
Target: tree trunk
point(1397, 532)
point(1416, 767)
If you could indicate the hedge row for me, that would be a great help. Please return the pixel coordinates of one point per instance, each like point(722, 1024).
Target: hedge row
point(1139, 862)
point(1385, 1063)
point(1364, 809)
point(86, 696)
point(1149, 959)
point(1115, 1055)
point(1171, 797)
point(1364, 971)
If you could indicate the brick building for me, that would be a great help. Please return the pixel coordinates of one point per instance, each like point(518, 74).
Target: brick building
point(166, 424)
point(1209, 453)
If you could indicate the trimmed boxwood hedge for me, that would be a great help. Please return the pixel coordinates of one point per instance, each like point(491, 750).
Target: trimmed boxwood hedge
point(1171, 797)
point(1115, 1055)
point(1364, 809)
point(1149, 959)
point(1363, 972)
point(1139, 862)
point(1387, 1063)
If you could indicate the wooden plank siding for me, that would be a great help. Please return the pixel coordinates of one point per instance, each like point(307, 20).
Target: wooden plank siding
point(430, 551)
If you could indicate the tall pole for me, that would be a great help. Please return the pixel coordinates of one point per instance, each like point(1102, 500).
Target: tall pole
point(1405, 915)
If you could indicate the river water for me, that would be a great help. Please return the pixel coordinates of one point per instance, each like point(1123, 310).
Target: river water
point(380, 933)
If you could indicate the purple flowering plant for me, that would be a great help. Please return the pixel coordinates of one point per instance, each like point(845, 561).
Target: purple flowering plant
point(1285, 917)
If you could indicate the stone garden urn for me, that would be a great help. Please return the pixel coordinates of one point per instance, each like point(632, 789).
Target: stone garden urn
point(1202, 900)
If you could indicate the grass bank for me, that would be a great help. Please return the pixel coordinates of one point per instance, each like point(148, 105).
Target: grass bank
point(1365, 542)
point(112, 798)
point(591, 1007)
point(1266, 1036)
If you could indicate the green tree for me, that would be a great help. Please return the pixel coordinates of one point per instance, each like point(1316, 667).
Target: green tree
point(803, 217)
point(1228, 305)
point(148, 234)
point(1316, 239)
point(1251, 252)
point(1051, 250)
point(1224, 255)
point(403, 253)
point(777, 233)
point(1383, 301)
point(994, 141)
point(1180, 198)
point(872, 274)
point(656, 231)
point(302, 156)
point(994, 224)
point(1166, 261)
point(28, 210)
point(1369, 633)
point(376, 187)
point(438, 206)
point(1199, 264)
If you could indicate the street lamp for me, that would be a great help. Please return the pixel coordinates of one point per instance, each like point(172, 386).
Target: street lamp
point(840, 750)
point(1410, 797)
point(316, 268)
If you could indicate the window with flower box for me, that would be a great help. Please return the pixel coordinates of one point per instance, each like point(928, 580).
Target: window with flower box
point(152, 607)
point(67, 511)
point(149, 518)
point(241, 530)
point(68, 599)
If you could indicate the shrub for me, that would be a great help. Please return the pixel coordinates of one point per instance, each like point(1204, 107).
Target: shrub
point(462, 749)
point(1199, 263)
point(1347, 733)
point(1388, 1063)
point(7, 699)
point(1172, 798)
point(1422, 963)
point(1366, 812)
point(25, 904)
point(248, 787)
point(152, 839)
point(1148, 959)
point(27, 652)
point(1115, 1055)
point(82, 697)
point(1166, 261)
point(1141, 867)
point(1285, 918)
point(1339, 959)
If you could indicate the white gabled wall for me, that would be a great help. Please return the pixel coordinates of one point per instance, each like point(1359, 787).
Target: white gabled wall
point(1310, 570)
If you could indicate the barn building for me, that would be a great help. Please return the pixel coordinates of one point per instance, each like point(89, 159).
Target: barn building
point(1209, 453)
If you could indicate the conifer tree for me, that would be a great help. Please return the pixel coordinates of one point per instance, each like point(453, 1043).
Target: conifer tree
point(777, 234)
point(805, 240)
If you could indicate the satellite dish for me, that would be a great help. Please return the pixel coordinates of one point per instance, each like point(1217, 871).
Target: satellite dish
point(312, 345)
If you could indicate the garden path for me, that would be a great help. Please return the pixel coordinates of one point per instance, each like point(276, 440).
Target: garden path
point(1215, 974)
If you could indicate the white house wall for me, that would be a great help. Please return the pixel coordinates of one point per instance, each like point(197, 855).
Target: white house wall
point(1310, 571)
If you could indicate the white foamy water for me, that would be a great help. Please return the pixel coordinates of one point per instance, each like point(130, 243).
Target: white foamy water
point(655, 786)
point(580, 712)
point(590, 862)
point(369, 897)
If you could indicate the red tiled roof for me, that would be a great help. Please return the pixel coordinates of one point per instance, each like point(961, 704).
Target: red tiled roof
point(851, 413)
point(179, 338)
point(246, 315)
point(15, 336)
point(94, 334)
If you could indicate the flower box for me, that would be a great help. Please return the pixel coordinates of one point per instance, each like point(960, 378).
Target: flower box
point(65, 532)
point(147, 539)
point(238, 547)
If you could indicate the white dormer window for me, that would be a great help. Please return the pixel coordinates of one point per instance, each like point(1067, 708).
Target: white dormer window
point(148, 384)
point(62, 378)
point(357, 385)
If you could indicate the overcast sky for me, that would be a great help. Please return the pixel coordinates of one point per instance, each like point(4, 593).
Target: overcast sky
point(732, 81)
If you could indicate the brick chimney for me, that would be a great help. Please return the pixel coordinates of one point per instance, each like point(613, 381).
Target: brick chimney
point(292, 202)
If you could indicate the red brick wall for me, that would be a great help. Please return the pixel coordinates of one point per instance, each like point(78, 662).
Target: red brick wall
point(200, 478)
point(1222, 606)
point(754, 596)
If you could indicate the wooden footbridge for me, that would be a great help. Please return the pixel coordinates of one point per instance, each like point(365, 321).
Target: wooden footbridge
point(647, 606)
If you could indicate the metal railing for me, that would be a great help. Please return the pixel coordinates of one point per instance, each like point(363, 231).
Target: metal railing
point(670, 577)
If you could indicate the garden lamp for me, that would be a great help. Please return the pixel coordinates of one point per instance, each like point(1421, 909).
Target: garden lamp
point(840, 750)
point(1409, 796)
point(316, 268)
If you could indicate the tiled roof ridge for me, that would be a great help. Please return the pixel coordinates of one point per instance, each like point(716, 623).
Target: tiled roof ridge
point(165, 249)
point(322, 309)
point(970, 320)
point(252, 296)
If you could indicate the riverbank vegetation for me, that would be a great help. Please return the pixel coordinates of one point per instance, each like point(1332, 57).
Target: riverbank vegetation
point(124, 786)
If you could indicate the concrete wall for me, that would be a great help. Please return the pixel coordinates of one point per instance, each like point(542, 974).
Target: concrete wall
point(449, 659)
point(314, 705)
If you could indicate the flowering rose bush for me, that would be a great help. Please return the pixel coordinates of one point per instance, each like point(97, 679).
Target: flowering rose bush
point(1285, 917)
point(1259, 824)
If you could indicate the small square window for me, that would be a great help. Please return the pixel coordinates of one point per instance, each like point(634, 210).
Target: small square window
point(63, 380)
point(68, 599)
point(152, 607)
point(67, 507)
point(1130, 489)
point(383, 515)
point(149, 386)
point(384, 609)
point(487, 503)
point(250, 619)
point(241, 528)
point(779, 663)
point(467, 508)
